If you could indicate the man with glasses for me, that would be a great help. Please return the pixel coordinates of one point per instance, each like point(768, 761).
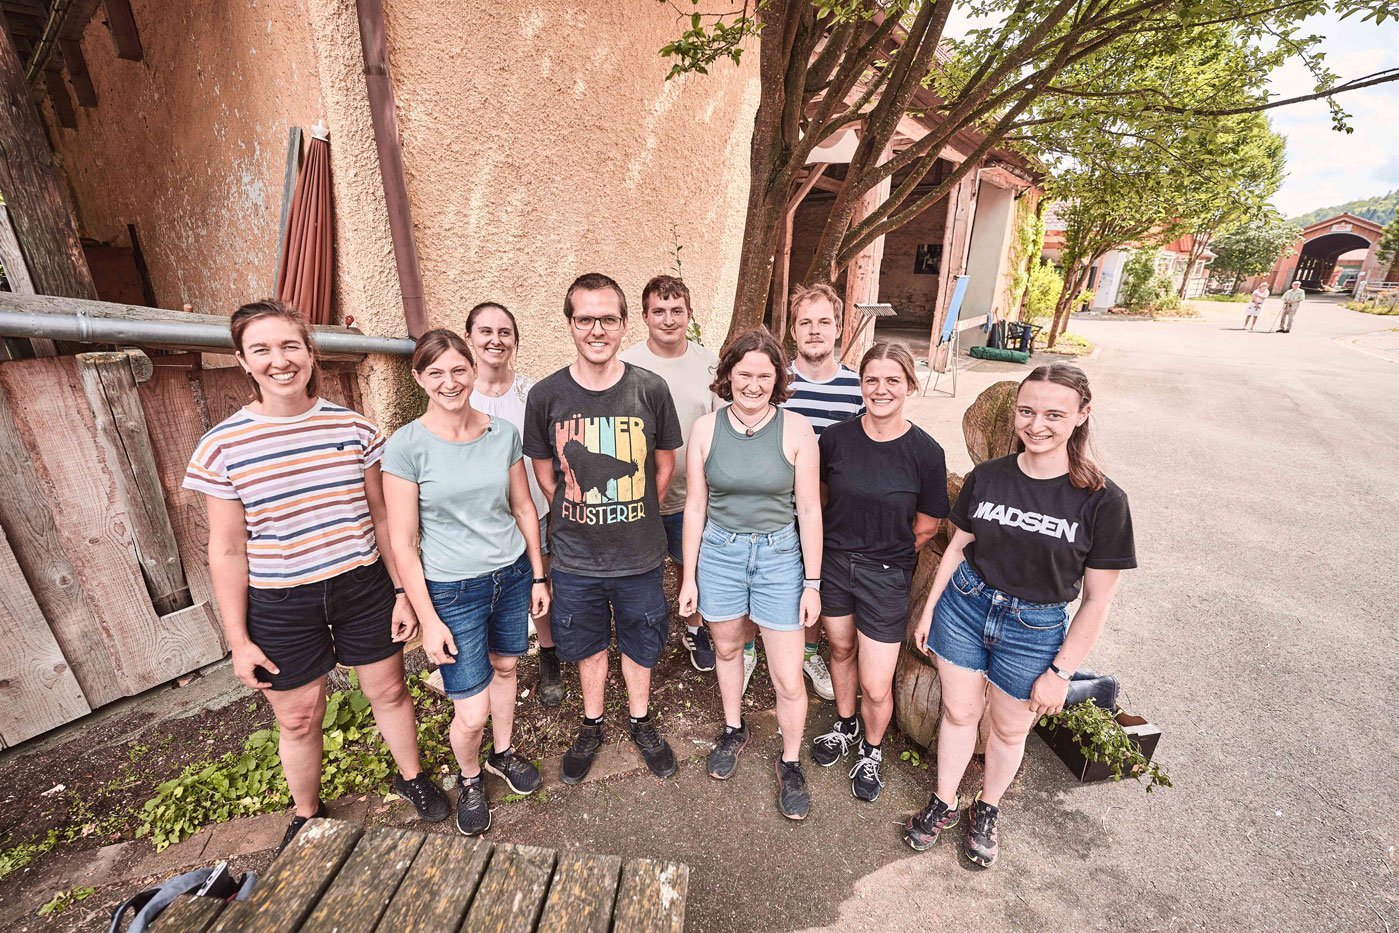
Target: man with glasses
point(688, 370)
point(603, 435)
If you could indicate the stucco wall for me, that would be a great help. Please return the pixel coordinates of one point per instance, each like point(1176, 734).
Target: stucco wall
point(190, 143)
point(542, 141)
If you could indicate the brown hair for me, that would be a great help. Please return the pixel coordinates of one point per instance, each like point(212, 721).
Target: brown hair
point(270, 307)
point(1084, 473)
point(665, 286)
point(593, 282)
point(471, 316)
point(437, 342)
point(761, 340)
point(804, 294)
point(891, 350)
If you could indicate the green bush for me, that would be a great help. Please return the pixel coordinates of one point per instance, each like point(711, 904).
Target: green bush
point(1143, 288)
point(1042, 292)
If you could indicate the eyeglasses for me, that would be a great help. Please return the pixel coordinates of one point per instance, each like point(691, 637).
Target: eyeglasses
point(584, 325)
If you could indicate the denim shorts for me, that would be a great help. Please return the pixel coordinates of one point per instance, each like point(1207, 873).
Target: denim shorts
point(675, 536)
point(486, 615)
point(585, 607)
point(753, 575)
point(1011, 641)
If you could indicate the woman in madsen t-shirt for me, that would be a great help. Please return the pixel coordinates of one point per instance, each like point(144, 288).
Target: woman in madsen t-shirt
point(296, 534)
point(1029, 528)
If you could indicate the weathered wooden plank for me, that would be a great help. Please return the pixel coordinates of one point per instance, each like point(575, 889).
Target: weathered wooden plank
point(188, 914)
point(651, 897)
point(94, 530)
point(75, 63)
point(62, 101)
point(439, 886)
point(30, 524)
point(110, 384)
point(122, 26)
point(17, 275)
point(37, 688)
point(225, 391)
point(366, 883)
point(233, 917)
point(512, 891)
point(581, 894)
point(294, 884)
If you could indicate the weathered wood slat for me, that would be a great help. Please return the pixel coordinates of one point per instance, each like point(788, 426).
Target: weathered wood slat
point(76, 65)
point(366, 883)
point(31, 526)
point(110, 385)
point(37, 688)
point(651, 897)
point(188, 914)
point(439, 886)
point(512, 891)
point(122, 25)
point(581, 894)
point(297, 879)
point(58, 96)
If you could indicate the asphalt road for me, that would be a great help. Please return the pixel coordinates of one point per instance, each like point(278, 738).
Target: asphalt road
point(1258, 633)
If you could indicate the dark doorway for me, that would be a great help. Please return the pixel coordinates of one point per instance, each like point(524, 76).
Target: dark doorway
point(1318, 259)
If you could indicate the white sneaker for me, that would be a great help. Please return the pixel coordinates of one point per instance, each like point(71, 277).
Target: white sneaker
point(750, 663)
point(815, 668)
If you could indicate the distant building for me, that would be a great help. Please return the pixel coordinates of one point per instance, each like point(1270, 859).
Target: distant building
point(1339, 251)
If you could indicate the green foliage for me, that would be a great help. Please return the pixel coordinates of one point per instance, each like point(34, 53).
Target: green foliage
point(1025, 249)
point(1231, 297)
point(16, 857)
point(65, 899)
point(1143, 288)
point(1385, 302)
point(912, 757)
point(1252, 247)
point(1100, 738)
point(1042, 291)
point(1382, 208)
point(1388, 247)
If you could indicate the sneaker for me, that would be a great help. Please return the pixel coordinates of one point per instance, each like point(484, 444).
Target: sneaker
point(579, 757)
point(924, 827)
point(701, 648)
point(724, 759)
point(656, 750)
point(750, 664)
point(792, 796)
point(473, 813)
point(551, 690)
point(299, 821)
point(815, 668)
point(864, 777)
point(427, 798)
point(982, 838)
point(521, 776)
point(827, 749)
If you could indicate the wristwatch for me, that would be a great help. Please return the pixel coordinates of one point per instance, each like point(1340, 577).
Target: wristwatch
point(1061, 673)
point(812, 583)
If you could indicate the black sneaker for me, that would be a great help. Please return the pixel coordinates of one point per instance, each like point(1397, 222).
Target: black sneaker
point(579, 757)
point(473, 813)
point(427, 798)
point(724, 759)
point(864, 777)
point(924, 827)
point(551, 690)
point(982, 839)
point(522, 776)
point(701, 648)
point(656, 750)
point(792, 796)
point(831, 747)
point(299, 821)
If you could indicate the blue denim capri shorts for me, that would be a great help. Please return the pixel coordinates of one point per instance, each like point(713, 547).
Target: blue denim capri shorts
point(757, 575)
point(1011, 641)
point(486, 615)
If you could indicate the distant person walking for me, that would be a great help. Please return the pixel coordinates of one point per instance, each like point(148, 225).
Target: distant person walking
point(1291, 300)
point(1255, 306)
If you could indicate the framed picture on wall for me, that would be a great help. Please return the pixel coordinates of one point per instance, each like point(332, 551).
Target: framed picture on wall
point(927, 259)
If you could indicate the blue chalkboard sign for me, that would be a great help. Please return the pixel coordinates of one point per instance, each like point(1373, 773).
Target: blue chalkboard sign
point(954, 307)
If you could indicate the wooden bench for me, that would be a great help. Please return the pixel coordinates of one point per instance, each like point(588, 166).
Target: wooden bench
point(341, 876)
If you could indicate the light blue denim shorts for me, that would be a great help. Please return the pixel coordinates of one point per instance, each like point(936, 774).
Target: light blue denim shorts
point(754, 575)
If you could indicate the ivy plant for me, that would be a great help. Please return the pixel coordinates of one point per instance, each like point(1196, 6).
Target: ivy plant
point(1101, 738)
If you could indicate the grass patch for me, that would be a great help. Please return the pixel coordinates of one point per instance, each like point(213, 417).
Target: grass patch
point(1382, 306)
point(1067, 344)
point(1239, 297)
point(1180, 311)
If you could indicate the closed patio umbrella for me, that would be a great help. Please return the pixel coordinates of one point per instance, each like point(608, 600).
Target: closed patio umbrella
point(303, 275)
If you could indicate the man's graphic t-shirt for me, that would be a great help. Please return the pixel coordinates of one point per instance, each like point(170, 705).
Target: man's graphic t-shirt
point(605, 520)
point(1035, 537)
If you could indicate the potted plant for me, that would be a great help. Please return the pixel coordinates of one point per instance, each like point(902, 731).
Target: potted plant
point(1097, 744)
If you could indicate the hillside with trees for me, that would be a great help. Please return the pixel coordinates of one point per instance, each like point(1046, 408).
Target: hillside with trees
point(1381, 209)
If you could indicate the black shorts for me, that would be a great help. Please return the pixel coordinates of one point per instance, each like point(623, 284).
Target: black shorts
point(306, 629)
point(874, 592)
point(585, 607)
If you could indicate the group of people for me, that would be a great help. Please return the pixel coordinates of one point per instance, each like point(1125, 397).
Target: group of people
point(1291, 300)
point(792, 495)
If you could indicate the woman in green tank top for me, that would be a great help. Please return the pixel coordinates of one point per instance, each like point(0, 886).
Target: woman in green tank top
point(752, 467)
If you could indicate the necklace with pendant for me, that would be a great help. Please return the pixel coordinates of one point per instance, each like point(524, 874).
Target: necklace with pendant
point(751, 427)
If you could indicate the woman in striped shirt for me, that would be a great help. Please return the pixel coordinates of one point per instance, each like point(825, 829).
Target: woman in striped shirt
point(296, 529)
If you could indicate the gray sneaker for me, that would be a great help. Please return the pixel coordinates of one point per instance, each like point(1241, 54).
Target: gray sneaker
point(815, 669)
point(793, 799)
point(865, 783)
point(724, 759)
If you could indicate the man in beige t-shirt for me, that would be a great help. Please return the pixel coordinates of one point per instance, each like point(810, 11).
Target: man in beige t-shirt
point(688, 369)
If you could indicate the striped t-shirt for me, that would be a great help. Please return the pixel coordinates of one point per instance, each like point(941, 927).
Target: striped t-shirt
point(301, 481)
point(826, 403)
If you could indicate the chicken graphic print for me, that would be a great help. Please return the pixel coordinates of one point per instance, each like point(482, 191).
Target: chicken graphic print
point(603, 462)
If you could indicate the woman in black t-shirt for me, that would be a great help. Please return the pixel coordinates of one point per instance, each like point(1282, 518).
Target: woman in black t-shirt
point(1029, 528)
point(884, 487)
